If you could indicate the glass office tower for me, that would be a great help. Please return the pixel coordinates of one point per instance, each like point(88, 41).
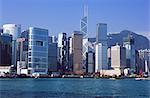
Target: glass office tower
point(101, 47)
point(38, 51)
point(15, 31)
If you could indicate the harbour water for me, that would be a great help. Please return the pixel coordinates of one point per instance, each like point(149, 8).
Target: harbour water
point(73, 88)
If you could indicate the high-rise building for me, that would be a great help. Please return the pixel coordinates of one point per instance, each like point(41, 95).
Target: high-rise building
point(100, 57)
point(84, 21)
point(70, 55)
point(88, 46)
point(118, 57)
point(77, 39)
point(63, 51)
point(5, 49)
point(130, 52)
point(38, 51)
point(90, 62)
point(15, 31)
point(101, 33)
point(52, 56)
point(144, 57)
point(101, 47)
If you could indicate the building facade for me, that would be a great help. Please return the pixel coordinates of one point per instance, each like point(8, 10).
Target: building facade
point(90, 62)
point(5, 49)
point(15, 31)
point(118, 57)
point(52, 56)
point(63, 51)
point(130, 52)
point(38, 51)
point(101, 47)
point(100, 57)
point(77, 39)
point(88, 47)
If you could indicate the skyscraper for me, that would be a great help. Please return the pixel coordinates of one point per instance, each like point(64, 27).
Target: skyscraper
point(38, 51)
point(118, 57)
point(101, 47)
point(70, 54)
point(101, 33)
point(52, 56)
point(130, 51)
point(88, 46)
point(15, 31)
point(5, 49)
point(90, 62)
point(100, 57)
point(63, 51)
point(77, 39)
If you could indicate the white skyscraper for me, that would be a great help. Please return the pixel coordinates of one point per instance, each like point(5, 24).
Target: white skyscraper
point(63, 51)
point(100, 57)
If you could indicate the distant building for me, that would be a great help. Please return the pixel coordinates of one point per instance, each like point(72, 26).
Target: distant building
point(130, 51)
point(88, 46)
point(109, 57)
point(101, 33)
point(77, 39)
point(100, 57)
point(5, 49)
point(63, 51)
point(52, 57)
point(54, 39)
point(15, 31)
point(70, 54)
point(101, 47)
point(118, 57)
point(38, 51)
point(144, 57)
point(90, 62)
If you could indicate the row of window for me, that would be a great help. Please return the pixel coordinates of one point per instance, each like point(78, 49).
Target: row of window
point(43, 38)
point(37, 65)
point(39, 54)
point(37, 48)
point(37, 60)
point(38, 43)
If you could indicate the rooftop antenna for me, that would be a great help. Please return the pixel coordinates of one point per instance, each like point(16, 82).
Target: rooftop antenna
point(84, 21)
point(85, 8)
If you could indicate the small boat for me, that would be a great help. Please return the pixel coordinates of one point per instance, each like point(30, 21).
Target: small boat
point(139, 79)
point(112, 78)
point(81, 76)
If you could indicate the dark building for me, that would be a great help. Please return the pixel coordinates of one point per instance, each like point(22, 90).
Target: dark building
point(90, 62)
point(52, 56)
point(5, 49)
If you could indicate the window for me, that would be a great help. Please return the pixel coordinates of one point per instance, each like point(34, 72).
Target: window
point(39, 43)
point(36, 59)
point(29, 59)
point(29, 53)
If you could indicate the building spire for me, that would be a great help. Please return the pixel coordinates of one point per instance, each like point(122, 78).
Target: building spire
point(85, 8)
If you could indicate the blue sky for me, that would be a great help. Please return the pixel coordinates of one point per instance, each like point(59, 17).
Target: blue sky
point(64, 15)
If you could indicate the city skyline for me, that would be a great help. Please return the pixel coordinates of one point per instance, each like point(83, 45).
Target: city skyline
point(47, 15)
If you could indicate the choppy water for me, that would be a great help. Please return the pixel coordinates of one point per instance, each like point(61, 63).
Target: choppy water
point(73, 88)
